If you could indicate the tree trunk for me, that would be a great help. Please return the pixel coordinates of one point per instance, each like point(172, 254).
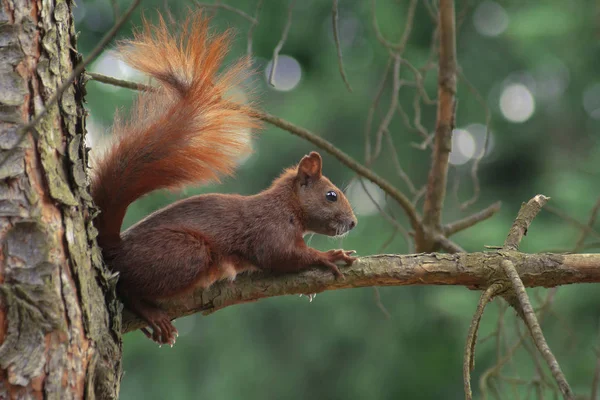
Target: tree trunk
point(59, 334)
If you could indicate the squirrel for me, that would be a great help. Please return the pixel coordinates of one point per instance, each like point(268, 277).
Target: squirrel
point(186, 131)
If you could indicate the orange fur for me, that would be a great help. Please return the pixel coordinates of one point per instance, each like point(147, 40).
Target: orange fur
point(184, 131)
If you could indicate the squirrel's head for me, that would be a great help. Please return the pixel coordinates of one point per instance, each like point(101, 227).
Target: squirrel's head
point(324, 207)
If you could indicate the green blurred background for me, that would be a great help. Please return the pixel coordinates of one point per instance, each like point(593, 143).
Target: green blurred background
point(535, 65)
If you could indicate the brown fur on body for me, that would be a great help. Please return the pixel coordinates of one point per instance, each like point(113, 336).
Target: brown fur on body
point(208, 234)
point(186, 132)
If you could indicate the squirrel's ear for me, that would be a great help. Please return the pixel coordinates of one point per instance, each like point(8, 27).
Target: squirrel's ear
point(309, 168)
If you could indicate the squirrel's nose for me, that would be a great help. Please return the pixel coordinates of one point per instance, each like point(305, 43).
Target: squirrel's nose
point(353, 223)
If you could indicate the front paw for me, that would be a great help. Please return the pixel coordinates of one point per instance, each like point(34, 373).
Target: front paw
point(341, 255)
point(332, 256)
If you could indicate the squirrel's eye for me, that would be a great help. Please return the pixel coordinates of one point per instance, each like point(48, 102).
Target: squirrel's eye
point(331, 196)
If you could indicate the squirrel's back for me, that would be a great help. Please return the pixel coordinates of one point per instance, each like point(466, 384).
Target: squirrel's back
point(183, 131)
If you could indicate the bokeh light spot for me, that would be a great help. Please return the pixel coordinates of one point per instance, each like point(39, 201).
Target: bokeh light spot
point(360, 200)
point(463, 147)
point(490, 19)
point(287, 74)
point(517, 103)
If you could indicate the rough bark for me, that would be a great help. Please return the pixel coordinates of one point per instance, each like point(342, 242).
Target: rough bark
point(473, 270)
point(59, 334)
point(425, 239)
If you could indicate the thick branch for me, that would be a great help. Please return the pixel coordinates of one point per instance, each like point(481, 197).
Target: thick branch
point(474, 270)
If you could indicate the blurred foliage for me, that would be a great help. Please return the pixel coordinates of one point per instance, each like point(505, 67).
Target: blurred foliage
point(341, 345)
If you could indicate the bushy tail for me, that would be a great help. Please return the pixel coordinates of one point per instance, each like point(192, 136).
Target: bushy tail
point(186, 130)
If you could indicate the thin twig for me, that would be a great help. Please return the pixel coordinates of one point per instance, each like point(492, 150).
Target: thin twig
point(336, 39)
point(115, 7)
point(593, 215)
point(279, 46)
point(253, 25)
point(385, 123)
point(469, 356)
point(535, 357)
point(381, 210)
point(405, 233)
point(419, 83)
point(596, 379)
point(448, 245)
point(524, 218)
point(372, 108)
point(419, 126)
point(379, 304)
point(501, 360)
point(482, 153)
point(116, 82)
point(473, 219)
point(399, 170)
point(69, 81)
point(399, 47)
point(228, 8)
point(561, 214)
point(534, 328)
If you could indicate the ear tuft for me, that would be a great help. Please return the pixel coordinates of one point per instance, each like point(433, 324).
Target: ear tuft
point(309, 168)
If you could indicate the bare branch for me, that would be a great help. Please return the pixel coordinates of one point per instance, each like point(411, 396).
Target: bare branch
point(116, 82)
point(336, 39)
point(438, 174)
point(467, 269)
point(381, 210)
point(469, 357)
point(399, 47)
point(482, 153)
point(250, 33)
point(448, 245)
point(385, 123)
point(399, 170)
point(380, 305)
point(561, 214)
point(228, 8)
point(284, 34)
point(372, 109)
point(534, 328)
point(419, 83)
point(596, 379)
point(473, 219)
point(591, 221)
point(524, 218)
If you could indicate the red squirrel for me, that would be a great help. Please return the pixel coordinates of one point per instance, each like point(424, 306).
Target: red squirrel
point(186, 131)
